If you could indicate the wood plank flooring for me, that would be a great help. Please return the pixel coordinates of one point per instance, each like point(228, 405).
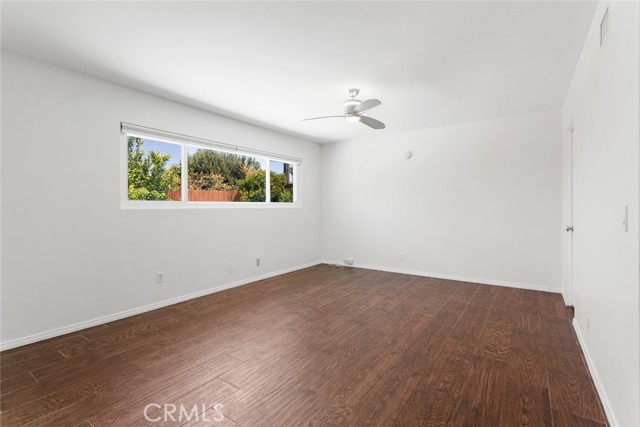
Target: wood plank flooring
point(322, 346)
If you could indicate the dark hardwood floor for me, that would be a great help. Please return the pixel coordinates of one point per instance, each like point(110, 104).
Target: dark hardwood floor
point(318, 347)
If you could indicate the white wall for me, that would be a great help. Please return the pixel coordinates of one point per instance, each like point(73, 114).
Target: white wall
point(71, 254)
point(603, 102)
point(479, 201)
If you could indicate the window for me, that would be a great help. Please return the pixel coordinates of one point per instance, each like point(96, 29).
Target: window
point(168, 169)
point(153, 169)
point(281, 182)
point(215, 176)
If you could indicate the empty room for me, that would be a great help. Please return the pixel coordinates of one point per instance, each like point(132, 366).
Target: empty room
point(320, 213)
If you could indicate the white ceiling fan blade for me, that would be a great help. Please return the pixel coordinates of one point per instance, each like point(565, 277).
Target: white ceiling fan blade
point(376, 124)
point(366, 105)
point(324, 117)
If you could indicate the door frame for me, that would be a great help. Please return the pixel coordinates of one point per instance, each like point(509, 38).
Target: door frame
point(569, 217)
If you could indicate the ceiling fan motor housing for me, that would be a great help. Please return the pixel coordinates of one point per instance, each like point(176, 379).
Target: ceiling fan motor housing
point(350, 104)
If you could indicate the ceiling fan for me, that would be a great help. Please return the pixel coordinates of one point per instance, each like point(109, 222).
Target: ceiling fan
point(353, 109)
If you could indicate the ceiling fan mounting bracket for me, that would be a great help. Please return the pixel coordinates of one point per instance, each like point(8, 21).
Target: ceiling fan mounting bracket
point(354, 92)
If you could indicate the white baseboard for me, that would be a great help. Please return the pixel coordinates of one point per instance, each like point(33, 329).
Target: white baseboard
point(530, 286)
point(17, 342)
point(596, 378)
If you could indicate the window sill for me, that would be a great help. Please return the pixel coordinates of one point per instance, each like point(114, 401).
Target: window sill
point(207, 205)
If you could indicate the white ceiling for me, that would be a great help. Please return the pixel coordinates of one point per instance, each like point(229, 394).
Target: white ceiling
point(275, 63)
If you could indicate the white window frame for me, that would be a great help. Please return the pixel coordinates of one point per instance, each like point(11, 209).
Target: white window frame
point(128, 129)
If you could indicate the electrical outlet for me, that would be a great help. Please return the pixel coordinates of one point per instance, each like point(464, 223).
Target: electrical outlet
point(257, 262)
point(159, 277)
point(231, 267)
point(348, 261)
point(403, 257)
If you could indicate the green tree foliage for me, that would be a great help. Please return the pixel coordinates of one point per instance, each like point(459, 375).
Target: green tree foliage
point(253, 187)
point(148, 177)
point(145, 194)
point(173, 177)
point(201, 181)
point(280, 191)
point(232, 167)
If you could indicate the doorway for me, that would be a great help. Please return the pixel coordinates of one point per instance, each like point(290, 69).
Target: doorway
point(568, 227)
